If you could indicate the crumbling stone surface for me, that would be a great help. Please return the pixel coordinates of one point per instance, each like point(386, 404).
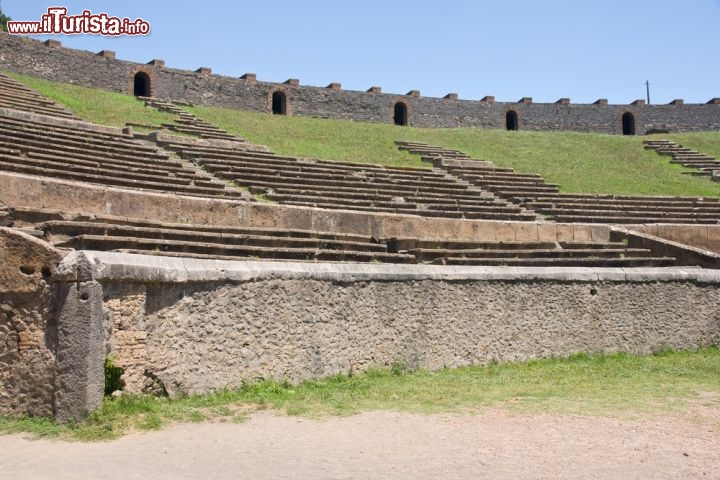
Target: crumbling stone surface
point(28, 333)
point(30, 57)
point(207, 336)
point(125, 303)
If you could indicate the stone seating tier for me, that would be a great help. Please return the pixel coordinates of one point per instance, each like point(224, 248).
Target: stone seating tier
point(75, 152)
point(561, 262)
point(15, 95)
point(703, 165)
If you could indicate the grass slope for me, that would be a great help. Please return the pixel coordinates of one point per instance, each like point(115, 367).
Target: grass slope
point(97, 106)
point(616, 384)
point(578, 162)
point(703, 142)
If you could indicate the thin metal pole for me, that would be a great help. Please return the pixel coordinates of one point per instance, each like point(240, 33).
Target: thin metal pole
point(647, 87)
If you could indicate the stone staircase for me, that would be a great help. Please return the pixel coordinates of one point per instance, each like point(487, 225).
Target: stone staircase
point(185, 122)
point(531, 192)
point(17, 96)
point(348, 186)
point(703, 165)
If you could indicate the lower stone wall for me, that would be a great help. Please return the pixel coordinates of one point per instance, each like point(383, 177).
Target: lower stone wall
point(190, 326)
point(178, 325)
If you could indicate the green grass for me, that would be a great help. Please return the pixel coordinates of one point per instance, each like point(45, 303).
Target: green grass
point(703, 142)
point(616, 384)
point(97, 106)
point(578, 162)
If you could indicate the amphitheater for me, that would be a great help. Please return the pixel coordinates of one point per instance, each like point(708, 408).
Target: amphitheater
point(198, 260)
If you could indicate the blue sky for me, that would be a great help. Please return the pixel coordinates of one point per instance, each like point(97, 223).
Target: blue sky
point(581, 49)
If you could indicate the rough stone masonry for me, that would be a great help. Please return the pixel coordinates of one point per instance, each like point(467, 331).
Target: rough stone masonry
point(102, 70)
point(182, 325)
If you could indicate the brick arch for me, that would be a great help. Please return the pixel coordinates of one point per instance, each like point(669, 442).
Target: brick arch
point(151, 77)
point(276, 95)
point(400, 107)
point(628, 122)
point(512, 120)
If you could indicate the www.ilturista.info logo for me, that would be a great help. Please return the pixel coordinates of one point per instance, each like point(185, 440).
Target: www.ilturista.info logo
point(58, 22)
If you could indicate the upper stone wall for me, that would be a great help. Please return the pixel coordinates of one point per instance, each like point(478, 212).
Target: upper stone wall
point(102, 70)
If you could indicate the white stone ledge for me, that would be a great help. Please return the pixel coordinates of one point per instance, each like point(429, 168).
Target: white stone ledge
point(128, 267)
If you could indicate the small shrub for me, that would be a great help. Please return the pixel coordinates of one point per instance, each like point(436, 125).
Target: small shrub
point(113, 375)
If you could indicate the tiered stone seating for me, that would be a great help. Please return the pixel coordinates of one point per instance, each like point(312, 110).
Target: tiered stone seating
point(540, 254)
point(626, 209)
point(109, 233)
point(502, 182)
point(15, 95)
point(425, 150)
point(187, 123)
point(533, 193)
point(704, 165)
point(338, 185)
point(76, 151)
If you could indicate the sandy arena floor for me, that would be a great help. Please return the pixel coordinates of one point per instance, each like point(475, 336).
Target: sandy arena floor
point(385, 445)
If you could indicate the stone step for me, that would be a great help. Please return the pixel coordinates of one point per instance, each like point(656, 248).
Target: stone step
point(13, 166)
point(160, 247)
point(400, 244)
point(88, 154)
point(248, 161)
point(310, 172)
point(75, 228)
point(75, 142)
point(577, 253)
point(83, 131)
point(701, 173)
point(648, 200)
point(262, 158)
point(28, 106)
point(562, 262)
point(171, 169)
point(631, 213)
point(510, 192)
point(46, 161)
point(274, 182)
point(514, 184)
point(587, 218)
point(470, 198)
point(593, 245)
point(479, 176)
point(35, 216)
point(620, 207)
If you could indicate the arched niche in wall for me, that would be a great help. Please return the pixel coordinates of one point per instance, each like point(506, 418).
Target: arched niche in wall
point(141, 82)
point(400, 115)
point(628, 123)
point(512, 121)
point(278, 102)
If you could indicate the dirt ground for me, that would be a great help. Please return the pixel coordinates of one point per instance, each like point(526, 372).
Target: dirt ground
point(386, 445)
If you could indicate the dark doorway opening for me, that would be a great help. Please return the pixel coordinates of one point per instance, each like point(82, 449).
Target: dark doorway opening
point(141, 86)
point(628, 123)
point(279, 103)
point(511, 120)
point(400, 116)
